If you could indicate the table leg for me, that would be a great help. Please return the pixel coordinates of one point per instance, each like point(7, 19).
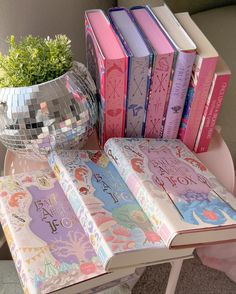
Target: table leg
point(131, 284)
point(2, 237)
point(174, 276)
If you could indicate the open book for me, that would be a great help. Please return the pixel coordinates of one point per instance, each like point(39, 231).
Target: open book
point(50, 249)
point(117, 226)
point(185, 202)
point(182, 201)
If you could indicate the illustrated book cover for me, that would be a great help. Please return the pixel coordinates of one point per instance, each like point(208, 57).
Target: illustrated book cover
point(162, 70)
point(108, 64)
point(117, 226)
point(139, 68)
point(182, 199)
point(50, 249)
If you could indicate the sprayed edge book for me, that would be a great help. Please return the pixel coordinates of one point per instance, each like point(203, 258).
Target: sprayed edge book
point(186, 52)
point(200, 83)
point(162, 70)
point(139, 68)
point(107, 62)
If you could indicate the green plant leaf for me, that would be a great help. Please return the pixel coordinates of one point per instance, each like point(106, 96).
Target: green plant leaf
point(35, 60)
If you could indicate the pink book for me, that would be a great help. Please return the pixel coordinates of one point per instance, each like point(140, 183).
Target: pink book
point(202, 75)
point(212, 106)
point(161, 71)
point(185, 203)
point(107, 63)
point(186, 52)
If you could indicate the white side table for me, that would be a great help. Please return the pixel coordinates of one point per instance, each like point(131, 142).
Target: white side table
point(217, 159)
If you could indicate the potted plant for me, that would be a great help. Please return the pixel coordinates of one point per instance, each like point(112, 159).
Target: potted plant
point(46, 99)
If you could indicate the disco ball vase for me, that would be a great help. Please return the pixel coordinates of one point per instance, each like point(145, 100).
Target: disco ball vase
point(61, 113)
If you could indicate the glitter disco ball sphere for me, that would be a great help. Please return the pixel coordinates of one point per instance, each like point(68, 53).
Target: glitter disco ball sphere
point(60, 113)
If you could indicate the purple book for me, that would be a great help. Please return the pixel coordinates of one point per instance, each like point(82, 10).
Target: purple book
point(162, 69)
point(139, 68)
point(48, 244)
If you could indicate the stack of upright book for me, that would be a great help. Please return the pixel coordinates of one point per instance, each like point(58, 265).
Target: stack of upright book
point(167, 82)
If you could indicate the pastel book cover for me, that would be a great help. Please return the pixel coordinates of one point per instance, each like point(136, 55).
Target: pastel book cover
point(108, 64)
point(118, 228)
point(186, 52)
point(202, 76)
point(213, 105)
point(184, 202)
point(139, 68)
point(161, 70)
point(49, 246)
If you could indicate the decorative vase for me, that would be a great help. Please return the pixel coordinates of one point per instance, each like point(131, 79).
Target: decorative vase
point(60, 113)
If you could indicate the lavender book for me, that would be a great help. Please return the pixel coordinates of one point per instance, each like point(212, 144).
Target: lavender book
point(50, 249)
point(184, 202)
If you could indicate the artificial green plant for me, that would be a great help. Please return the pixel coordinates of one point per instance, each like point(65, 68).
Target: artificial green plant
point(34, 60)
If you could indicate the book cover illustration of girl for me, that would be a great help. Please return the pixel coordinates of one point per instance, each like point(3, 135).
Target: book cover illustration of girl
point(52, 250)
point(190, 192)
point(117, 214)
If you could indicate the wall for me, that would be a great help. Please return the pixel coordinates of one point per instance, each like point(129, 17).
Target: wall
point(48, 17)
point(180, 6)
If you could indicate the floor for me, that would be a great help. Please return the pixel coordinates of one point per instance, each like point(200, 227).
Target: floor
point(9, 281)
point(195, 278)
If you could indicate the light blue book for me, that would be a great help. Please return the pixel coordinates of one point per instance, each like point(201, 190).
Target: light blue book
point(119, 230)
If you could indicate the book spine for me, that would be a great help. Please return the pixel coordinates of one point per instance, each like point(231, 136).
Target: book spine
point(158, 94)
point(138, 83)
point(203, 71)
point(80, 209)
point(111, 81)
point(178, 93)
point(140, 190)
point(211, 112)
point(168, 92)
point(138, 88)
point(113, 95)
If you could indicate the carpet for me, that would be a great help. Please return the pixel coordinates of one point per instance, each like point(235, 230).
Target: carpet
point(195, 278)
